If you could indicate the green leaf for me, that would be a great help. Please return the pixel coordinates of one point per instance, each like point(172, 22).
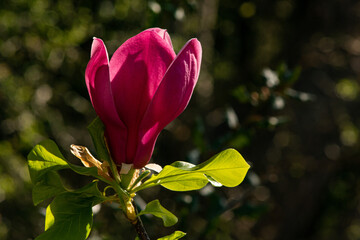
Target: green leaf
point(176, 179)
point(159, 211)
point(44, 160)
point(69, 216)
point(142, 176)
point(96, 130)
point(87, 171)
point(91, 190)
point(176, 235)
point(49, 218)
point(45, 157)
point(48, 186)
point(184, 181)
point(183, 165)
point(227, 168)
point(126, 178)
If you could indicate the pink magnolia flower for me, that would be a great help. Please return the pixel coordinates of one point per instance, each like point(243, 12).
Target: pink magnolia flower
point(143, 88)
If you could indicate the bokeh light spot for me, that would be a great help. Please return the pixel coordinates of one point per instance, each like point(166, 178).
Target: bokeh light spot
point(247, 9)
point(347, 89)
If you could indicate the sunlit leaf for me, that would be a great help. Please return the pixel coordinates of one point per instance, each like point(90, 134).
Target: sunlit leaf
point(159, 211)
point(176, 179)
point(227, 168)
point(174, 236)
point(45, 157)
point(44, 160)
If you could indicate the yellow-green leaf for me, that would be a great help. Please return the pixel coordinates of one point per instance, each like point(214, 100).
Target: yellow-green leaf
point(159, 211)
point(174, 236)
point(227, 168)
point(44, 157)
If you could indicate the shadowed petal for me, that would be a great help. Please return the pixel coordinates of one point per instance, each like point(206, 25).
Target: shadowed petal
point(136, 70)
point(170, 99)
point(97, 77)
point(116, 138)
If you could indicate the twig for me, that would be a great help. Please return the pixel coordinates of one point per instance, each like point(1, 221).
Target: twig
point(141, 231)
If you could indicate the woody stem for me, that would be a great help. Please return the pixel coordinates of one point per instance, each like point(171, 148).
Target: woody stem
point(141, 231)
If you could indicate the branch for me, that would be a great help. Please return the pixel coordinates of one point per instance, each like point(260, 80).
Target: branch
point(141, 231)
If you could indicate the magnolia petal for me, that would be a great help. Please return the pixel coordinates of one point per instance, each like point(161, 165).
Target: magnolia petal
point(97, 79)
point(116, 138)
point(170, 100)
point(136, 70)
point(163, 34)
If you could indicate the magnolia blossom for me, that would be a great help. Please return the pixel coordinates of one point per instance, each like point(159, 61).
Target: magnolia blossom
point(140, 90)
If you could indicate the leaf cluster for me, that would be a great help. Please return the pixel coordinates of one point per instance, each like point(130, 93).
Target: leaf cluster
point(69, 215)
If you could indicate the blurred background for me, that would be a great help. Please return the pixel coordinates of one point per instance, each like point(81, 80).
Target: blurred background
point(279, 82)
